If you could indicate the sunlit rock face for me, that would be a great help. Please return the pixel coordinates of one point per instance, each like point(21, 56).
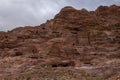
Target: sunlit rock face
point(74, 38)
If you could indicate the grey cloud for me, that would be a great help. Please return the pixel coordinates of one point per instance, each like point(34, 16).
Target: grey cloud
point(15, 13)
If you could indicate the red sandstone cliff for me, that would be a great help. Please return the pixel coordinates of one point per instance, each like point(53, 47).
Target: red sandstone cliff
point(81, 39)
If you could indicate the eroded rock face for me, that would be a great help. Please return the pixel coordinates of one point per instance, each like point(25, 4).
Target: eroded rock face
point(74, 38)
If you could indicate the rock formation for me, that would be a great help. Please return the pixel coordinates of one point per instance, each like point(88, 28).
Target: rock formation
point(74, 38)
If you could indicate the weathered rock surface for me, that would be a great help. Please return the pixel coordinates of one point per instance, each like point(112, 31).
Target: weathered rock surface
point(74, 38)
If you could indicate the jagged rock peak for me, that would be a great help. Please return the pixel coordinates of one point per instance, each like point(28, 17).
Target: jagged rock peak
point(67, 8)
point(84, 10)
point(103, 8)
point(114, 6)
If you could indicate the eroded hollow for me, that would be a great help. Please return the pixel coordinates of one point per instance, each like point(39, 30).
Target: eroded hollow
point(64, 64)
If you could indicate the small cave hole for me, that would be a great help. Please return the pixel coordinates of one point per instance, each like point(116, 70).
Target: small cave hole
point(43, 28)
point(54, 65)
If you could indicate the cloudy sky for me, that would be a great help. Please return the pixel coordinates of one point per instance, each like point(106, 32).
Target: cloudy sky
point(17, 13)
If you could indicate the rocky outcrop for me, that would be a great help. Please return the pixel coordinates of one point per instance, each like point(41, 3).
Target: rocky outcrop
point(74, 38)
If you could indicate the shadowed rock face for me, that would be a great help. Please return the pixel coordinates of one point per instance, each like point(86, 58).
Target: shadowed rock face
point(74, 38)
